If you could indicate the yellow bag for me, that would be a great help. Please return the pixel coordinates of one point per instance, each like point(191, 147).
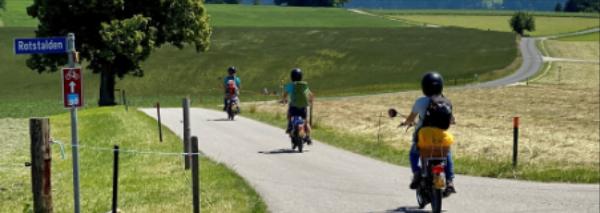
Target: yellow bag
point(434, 141)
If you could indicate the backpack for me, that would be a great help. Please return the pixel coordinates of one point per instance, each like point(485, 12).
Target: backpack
point(439, 113)
point(300, 96)
point(231, 88)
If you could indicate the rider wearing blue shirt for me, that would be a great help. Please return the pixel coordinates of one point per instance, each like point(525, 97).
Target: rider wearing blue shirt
point(432, 84)
point(232, 76)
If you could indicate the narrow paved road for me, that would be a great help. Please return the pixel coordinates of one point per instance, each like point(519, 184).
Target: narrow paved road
point(327, 179)
point(532, 61)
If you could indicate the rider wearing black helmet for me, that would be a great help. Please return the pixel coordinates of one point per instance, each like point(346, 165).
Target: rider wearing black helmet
point(300, 98)
point(226, 85)
point(432, 84)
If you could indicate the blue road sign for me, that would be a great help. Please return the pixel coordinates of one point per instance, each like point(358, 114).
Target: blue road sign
point(40, 45)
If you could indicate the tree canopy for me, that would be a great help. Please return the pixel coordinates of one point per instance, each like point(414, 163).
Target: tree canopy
point(223, 1)
point(2, 4)
point(522, 21)
point(312, 3)
point(114, 36)
point(582, 6)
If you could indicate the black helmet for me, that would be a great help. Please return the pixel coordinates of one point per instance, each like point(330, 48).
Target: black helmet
point(231, 70)
point(296, 74)
point(432, 84)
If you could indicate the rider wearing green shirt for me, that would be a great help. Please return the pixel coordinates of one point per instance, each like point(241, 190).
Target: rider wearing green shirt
point(300, 97)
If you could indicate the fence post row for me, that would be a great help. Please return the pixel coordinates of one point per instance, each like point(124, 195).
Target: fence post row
point(41, 164)
point(186, 132)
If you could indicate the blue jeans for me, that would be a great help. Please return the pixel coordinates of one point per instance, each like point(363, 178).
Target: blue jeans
point(414, 162)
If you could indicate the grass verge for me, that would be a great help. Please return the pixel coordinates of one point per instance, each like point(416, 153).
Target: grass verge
point(147, 183)
point(586, 37)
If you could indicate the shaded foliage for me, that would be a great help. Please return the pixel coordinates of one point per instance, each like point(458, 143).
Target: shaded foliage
point(522, 21)
point(223, 1)
point(312, 3)
point(582, 6)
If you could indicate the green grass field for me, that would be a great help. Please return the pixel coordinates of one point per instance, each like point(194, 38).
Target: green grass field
point(271, 16)
point(337, 61)
point(147, 182)
point(479, 13)
point(15, 14)
point(242, 15)
point(545, 25)
point(587, 37)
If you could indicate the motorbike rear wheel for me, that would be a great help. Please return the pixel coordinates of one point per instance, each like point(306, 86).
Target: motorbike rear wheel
point(230, 112)
point(436, 200)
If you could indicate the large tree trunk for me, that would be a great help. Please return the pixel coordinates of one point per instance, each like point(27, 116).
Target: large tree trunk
point(107, 88)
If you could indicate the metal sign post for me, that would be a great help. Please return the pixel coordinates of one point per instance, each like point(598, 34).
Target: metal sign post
point(72, 86)
point(74, 134)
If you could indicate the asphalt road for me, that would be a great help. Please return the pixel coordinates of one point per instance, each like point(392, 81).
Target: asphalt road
point(532, 61)
point(327, 179)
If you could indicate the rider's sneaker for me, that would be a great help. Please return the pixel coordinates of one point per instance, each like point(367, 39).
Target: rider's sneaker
point(450, 188)
point(308, 140)
point(415, 182)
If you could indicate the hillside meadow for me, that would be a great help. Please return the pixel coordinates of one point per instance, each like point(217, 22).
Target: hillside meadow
point(355, 54)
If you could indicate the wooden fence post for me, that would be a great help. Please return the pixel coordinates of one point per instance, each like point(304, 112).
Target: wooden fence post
point(186, 132)
point(41, 159)
point(159, 122)
point(115, 179)
point(515, 140)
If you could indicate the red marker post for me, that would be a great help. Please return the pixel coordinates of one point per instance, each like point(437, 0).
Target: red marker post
point(515, 140)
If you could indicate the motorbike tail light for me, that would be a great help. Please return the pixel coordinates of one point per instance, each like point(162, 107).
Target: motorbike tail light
point(437, 169)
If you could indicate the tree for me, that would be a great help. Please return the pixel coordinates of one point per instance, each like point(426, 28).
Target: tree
point(312, 3)
point(522, 21)
point(256, 2)
point(223, 1)
point(558, 7)
point(582, 6)
point(115, 36)
point(2, 4)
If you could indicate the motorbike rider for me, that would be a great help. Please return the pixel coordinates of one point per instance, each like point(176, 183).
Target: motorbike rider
point(227, 86)
point(300, 97)
point(432, 84)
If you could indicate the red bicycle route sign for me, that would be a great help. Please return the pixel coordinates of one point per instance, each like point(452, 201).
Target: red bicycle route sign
point(72, 87)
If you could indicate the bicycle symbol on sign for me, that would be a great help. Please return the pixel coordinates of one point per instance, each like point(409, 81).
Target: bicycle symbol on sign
point(72, 75)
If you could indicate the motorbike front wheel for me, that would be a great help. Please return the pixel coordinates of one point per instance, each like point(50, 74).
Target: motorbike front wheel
point(421, 200)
